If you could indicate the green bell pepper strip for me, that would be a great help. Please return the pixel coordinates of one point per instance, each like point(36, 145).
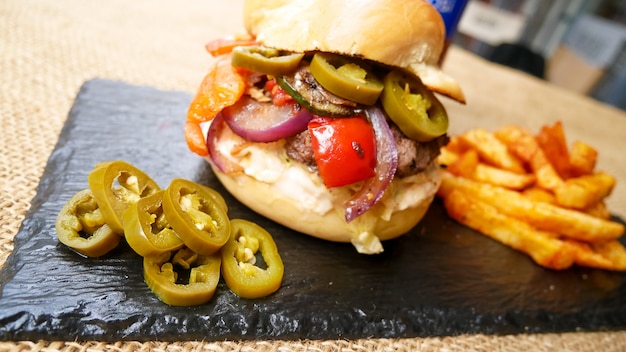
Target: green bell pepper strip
point(346, 78)
point(195, 215)
point(80, 225)
point(117, 184)
point(163, 273)
point(265, 60)
point(414, 108)
point(146, 228)
point(242, 274)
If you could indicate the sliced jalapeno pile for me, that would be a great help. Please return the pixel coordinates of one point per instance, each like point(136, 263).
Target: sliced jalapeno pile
point(413, 107)
point(182, 277)
point(347, 78)
point(245, 273)
point(265, 60)
point(80, 225)
point(180, 232)
point(116, 185)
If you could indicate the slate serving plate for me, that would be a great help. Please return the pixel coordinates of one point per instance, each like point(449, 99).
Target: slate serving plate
point(440, 279)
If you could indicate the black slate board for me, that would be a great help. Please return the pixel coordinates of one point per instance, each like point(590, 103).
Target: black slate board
point(441, 279)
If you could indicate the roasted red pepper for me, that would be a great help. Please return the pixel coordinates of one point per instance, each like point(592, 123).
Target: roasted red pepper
point(344, 148)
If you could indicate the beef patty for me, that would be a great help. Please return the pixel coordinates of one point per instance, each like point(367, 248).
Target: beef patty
point(413, 156)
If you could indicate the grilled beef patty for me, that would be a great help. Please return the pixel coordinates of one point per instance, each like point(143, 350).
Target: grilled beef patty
point(413, 156)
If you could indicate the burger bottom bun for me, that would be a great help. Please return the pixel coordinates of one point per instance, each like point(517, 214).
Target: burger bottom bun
point(365, 232)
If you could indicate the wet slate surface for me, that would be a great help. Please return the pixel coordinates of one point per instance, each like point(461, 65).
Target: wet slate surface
point(440, 279)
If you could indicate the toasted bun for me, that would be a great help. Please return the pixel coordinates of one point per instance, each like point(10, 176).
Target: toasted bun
point(407, 34)
point(295, 197)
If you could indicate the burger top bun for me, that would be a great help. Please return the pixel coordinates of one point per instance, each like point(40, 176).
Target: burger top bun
point(407, 34)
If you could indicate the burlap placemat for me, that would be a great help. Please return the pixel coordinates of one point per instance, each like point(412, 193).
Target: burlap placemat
point(49, 48)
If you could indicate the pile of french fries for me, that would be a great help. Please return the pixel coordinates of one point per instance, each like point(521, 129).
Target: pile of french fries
point(534, 193)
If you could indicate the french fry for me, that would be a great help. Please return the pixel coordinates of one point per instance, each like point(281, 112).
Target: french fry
point(540, 215)
point(465, 165)
point(455, 145)
point(613, 251)
point(584, 191)
point(544, 248)
point(582, 159)
point(523, 144)
point(491, 150)
point(447, 156)
point(598, 210)
point(609, 255)
point(539, 195)
point(502, 178)
point(551, 140)
point(585, 256)
point(531, 193)
point(468, 165)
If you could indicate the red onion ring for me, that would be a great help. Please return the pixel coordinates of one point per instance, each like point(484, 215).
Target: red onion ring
point(386, 164)
point(265, 122)
point(220, 160)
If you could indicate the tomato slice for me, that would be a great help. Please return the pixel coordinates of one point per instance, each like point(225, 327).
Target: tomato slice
point(344, 149)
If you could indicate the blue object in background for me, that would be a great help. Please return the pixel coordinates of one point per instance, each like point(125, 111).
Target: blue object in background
point(451, 11)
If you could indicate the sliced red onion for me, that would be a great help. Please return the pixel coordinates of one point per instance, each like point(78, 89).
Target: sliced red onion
point(220, 160)
point(386, 164)
point(265, 122)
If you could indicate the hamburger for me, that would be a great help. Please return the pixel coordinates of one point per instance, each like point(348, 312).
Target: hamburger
point(324, 117)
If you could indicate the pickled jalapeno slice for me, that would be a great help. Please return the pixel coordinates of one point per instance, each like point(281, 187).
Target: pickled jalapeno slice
point(198, 219)
point(347, 78)
point(414, 108)
point(251, 265)
point(182, 277)
point(80, 225)
point(117, 184)
point(146, 228)
point(265, 60)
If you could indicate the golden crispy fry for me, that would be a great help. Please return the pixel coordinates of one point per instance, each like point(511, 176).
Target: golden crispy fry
point(502, 178)
point(465, 165)
point(584, 191)
point(491, 150)
point(539, 195)
point(614, 251)
point(544, 248)
point(582, 159)
point(523, 144)
point(454, 145)
point(540, 215)
point(468, 165)
point(447, 156)
point(598, 210)
point(606, 255)
point(551, 140)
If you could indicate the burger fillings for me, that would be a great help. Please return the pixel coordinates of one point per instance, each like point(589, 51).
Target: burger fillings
point(343, 145)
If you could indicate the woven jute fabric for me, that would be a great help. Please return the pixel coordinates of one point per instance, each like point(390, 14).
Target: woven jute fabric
point(49, 48)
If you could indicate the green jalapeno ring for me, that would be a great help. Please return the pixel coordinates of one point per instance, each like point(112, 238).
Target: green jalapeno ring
point(265, 60)
point(416, 110)
point(146, 229)
point(117, 184)
point(80, 225)
point(162, 277)
point(238, 256)
point(217, 197)
point(198, 219)
point(346, 78)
